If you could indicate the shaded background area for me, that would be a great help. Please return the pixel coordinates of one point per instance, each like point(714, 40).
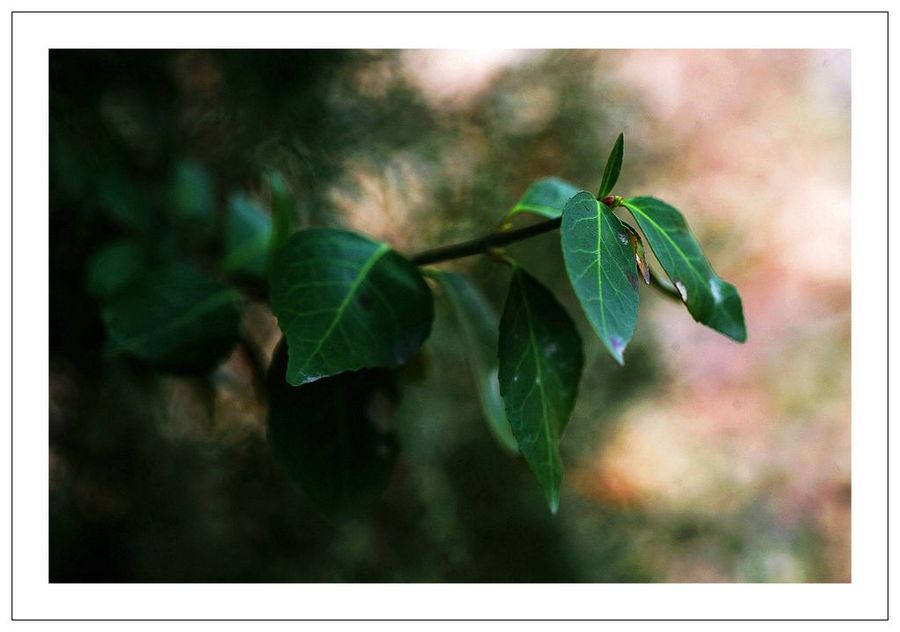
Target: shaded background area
point(699, 460)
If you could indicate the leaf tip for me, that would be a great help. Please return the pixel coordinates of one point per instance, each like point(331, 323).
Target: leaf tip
point(553, 501)
point(739, 334)
point(617, 348)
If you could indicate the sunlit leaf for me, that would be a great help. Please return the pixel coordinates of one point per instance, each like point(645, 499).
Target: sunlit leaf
point(331, 436)
point(540, 366)
point(345, 303)
point(175, 318)
point(546, 197)
point(612, 169)
point(601, 267)
point(478, 323)
point(709, 299)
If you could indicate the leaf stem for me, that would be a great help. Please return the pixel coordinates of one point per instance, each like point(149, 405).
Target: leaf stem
point(483, 244)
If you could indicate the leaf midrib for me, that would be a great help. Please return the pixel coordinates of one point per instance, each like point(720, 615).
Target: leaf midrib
point(351, 292)
point(540, 374)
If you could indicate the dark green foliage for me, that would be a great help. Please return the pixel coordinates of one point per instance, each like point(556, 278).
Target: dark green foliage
point(282, 214)
point(540, 367)
point(248, 238)
point(345, 303)
point(331, 436)
point(174, 318)
point(113, 267)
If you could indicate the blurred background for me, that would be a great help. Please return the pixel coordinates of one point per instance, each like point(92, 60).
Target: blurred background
point(700, 460)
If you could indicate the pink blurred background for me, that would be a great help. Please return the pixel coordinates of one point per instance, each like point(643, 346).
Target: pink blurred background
point(754, 147)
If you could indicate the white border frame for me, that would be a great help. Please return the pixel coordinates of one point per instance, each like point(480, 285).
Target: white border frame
point(34, 597)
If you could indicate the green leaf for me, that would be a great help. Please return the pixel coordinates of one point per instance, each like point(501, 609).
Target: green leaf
point(709, 299)
point(175, 318)
point(125, 202)
point(331, 436)
point(478, 323)
point(540, 367)
point(612, 169)
point(601, 266)
point(282, 214)
point(345, 303)
point(546, 197)
point(192, 193)
point(113, 267)
point(248, 232)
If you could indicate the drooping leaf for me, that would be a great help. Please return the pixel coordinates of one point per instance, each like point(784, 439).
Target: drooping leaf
point(546, 197)
point(248, 232)
point(637, 246)
point(540, 366)
point(612, 169)
point(602, 270)
point(113, 267)
point(709, 299)
point(175, 318)
point(331, 436)
point(345, 303)
point(478, 323)
point(282, 214)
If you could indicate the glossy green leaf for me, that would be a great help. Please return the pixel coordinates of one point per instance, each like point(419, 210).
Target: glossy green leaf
point(709, 299)
point(613, 167)
point(248, 233)
point(175, 318)
point(345, 303)
point(331, 436)
point(540, 366)
point(113, 267)
point(601, 267)
point(478, 323)
point(546, 197)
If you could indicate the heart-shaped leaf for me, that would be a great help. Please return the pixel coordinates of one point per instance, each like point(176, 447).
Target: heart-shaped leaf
point(345, 303)
point(175, 318)
point(546, 197)
point(613, 167)
point(331, 436)
point(709, 299)
point(540, 366)
point(478, 323)
point(601, 267)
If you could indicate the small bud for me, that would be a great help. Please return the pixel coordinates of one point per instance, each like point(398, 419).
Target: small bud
point(609, 200)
